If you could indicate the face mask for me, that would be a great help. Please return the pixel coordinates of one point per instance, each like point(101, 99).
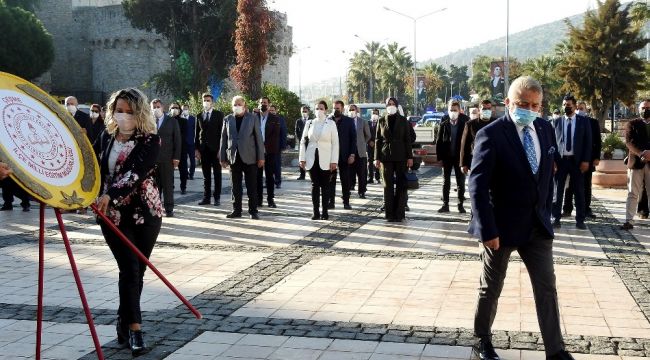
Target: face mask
point(320, 114)
point(72, 109)
point(486, 114)
point(353, 114)
point(556, 116)
point(157, 112)
point(186, 113)
point(568, 110)
point(453, 115)
point(523, 117)
point(374, 117)
point(125, 122)
point(473, 116)
point(337, 113)
point(207, 105)
point(264, 108)
point(94, 115)
point(238, 110)
point(391, 109)
point(581, 112)
point(305, 116)
point(646, 114)
point(175, 112)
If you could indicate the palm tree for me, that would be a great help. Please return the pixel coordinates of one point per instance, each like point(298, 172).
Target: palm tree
point(363, 70)
point(395, 64)
point(544, 70)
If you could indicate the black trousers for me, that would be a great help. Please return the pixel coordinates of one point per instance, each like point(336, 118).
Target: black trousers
point(131, 268)
point(568, 167)
point(373, 172)
point(248, 173)
point(165, 180)
point(269, 172)
point(210, 165)
point(537, 255)
point(447, 166)
point(302, 172)
point(320, 185)
point(182, 167)
point(393, 177)
point(344, 173)
point(568, 194)
point(11, 189)
point(278, 168)
point(359, 171)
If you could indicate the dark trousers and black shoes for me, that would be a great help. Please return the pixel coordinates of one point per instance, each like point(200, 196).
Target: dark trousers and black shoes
point(359, 170)
point(165, 181)
point(182, 169)
point(568, 196)
point(302, 174)
point(131, 276)
point(344, 173)
point(393, 177)
point(320, 185)
point(447, 166)
point(267, 171)
point(278, 169)
point(247, 173)
point(11, 189)
point(210, 165)
point(373, 172)
point(537, 255)
point(568, 167)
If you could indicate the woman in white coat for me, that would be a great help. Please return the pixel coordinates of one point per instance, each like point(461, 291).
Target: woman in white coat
point(319, 154)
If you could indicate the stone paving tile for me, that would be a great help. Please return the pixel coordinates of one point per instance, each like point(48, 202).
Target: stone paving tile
point(443, 294)
point(192, 273)
point(615, 199)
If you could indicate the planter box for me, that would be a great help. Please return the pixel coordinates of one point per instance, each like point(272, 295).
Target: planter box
point(610, 174)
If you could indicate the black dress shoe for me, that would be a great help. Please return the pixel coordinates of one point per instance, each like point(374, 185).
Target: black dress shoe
point(254, 216)
point(347, 206)
point(278, 186)
point(300, 178)
point(444, 209)
point(217, 202)
point(205, 202)
point(370, 181)
point(627, 226)
point(136, 342)
point(122, 332)
point(485, 350)
point(581, 225)
point(325, 216)
point(316, 216)
point(461, 209)
point(557, 224)
point(234, 214)
point(407, 208)
point(566, 213)
point(362, 196)
point(183, 191)
point(260, 204)
point(330, 206)
point(562, 355)
point(272, 204)
point(26, 208)
point(6, 207)
point(393, 220)
point(169, 213)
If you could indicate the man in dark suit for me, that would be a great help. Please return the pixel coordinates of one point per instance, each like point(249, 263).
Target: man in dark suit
point(189, 140)
point(82, 118)
point(373, 173)
point(283, 145)
point(243, 150)
point(300, 127)
point(511, 188)
point(573, 136)
point(595, 160)
point(471, 128)
point(207, 144)
point(176, 115)
point(360, 167)
point(448, 145)
point(347, 151)
point(270, 129)
point(169, 155)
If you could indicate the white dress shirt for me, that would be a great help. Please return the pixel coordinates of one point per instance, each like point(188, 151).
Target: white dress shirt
point(263, 125)
point(533, 134)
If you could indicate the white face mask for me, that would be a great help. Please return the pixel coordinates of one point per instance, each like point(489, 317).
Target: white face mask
point(556, 116)
point(72, 109)
point(374, 117)
point(175, 112)
point(238, 110)
point(125, 122)
point(94, 115)
point(486, 114)
point(453, 115)
point(207, 105)
point(157, 112)
point(391, 109)
point(186, 113)
point(473, 116)
point(305, 116)
point(320, 114)
point(353, 114)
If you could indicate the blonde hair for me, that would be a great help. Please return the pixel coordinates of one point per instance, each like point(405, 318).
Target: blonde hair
point(139, 103)
point(524, 83)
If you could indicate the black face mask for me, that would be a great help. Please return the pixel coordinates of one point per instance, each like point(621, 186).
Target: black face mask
point(337, 113)
point(646, 114)
point(264, 108)
point(568, 110)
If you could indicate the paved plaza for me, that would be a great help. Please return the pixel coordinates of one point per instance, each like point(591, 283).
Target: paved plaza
point(352, 287)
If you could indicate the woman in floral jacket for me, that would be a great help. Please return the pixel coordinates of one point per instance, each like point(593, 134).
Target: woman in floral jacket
point(128, 150)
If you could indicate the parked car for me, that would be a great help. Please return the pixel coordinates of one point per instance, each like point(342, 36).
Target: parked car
point(431, 118)
point(414, 120)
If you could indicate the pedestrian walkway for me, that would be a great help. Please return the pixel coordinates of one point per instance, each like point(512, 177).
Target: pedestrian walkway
point(352, 287)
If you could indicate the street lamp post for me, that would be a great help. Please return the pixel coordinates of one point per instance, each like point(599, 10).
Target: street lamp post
point(506, 70)
point(415, 62)
point(300, 71)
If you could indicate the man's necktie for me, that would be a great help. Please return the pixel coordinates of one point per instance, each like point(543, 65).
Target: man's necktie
point(529, 147)
point(569, 135)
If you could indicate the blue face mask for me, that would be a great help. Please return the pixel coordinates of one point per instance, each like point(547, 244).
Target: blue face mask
point(523, 117)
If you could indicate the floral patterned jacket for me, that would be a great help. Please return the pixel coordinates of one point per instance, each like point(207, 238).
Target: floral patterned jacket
point(132, 189)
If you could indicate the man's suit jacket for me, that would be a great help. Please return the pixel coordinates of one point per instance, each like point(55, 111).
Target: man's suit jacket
point(182, 126)
point(283, 132)
point(327, 144)
point(508, 200)
point(208, 131)
point(467, 147)
point(247, 142)
point(596, 145)
point(363, 136)
point(83, 119)
point(170, 140)
point(444, 151)
point(373, 134)
point(191, 132)
point(581, 144)
point(347, 137)
point(271, 133)
point(395, 144)
point(300, 127)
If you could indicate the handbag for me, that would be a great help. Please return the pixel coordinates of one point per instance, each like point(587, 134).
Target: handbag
point(412, 182)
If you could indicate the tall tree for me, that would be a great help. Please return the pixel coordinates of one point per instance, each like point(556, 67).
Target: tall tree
point(29, 5)
point(363, 70)
point(603, 66)
point(544, 70)
point(34, 53)
point(253, 27)
point(395, 65)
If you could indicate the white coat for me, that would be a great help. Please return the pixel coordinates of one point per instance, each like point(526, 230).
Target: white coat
point(327, 143)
